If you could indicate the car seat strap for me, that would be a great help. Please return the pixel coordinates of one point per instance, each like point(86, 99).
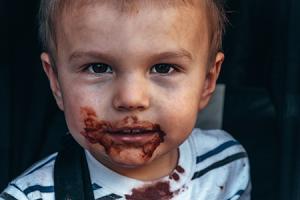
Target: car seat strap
point(71, 174)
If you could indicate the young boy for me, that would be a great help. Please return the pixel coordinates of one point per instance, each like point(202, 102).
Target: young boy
point(131, 76)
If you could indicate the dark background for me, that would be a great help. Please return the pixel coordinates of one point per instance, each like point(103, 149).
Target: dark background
point(262, 103)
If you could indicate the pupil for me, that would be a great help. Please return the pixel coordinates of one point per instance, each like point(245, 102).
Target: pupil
point(162, 68)
point(99, 68)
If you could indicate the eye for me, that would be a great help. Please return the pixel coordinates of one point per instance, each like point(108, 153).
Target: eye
point(163, 68)
point(99, 68)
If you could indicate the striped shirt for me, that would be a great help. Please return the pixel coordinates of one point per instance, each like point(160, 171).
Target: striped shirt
point(212, 165)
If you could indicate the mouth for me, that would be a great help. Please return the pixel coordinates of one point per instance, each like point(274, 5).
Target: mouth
point(130, 141)
point(136, 135)
point(129, 136)
point(133, 131)
point(124, 135)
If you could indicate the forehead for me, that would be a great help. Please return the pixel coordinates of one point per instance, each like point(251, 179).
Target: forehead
point(70, 8)
point(126, 5)
point(145, 26)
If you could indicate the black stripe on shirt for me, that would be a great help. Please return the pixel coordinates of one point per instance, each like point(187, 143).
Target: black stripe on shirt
point(41, 165)
point(243, 192)
point(95, 186)
point(6, 196)
point(238, 193)
point(110, 197)
point(42, 189)
point(217, 150)
point(14, 185)
point(49, 189)
point(220, 163)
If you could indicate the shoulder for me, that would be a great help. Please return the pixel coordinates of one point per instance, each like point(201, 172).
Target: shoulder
point(207, 144)
point(220, 160)
point(35, 182)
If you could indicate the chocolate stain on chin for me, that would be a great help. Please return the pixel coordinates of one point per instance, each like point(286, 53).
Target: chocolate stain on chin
point(99, 131)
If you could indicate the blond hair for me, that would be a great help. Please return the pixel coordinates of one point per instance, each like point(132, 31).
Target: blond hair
point(51, 10)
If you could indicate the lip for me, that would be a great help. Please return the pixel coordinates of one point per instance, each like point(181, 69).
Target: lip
point(132, 135)
point(129, 138)
point(131, 131)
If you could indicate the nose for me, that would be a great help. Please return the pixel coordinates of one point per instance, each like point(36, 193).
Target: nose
point(131, 94)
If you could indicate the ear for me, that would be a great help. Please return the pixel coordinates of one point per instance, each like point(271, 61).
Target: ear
point(53, 79)
point(211, 80)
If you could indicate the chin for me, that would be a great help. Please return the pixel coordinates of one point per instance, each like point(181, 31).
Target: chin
point(129, 158)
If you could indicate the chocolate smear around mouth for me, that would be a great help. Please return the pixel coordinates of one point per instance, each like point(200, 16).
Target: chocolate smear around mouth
point(103, 132)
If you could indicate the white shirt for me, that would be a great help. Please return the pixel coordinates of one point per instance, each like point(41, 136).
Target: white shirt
point(212, 166)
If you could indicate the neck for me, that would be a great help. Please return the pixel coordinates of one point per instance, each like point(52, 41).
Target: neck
point(158, 168)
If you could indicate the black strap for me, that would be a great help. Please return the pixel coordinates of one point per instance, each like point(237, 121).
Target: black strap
point(71, 174)
point(7, 196)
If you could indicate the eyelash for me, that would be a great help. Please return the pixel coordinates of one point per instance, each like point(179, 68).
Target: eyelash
point(91, 70)
point(172, 67)
point(108, 69)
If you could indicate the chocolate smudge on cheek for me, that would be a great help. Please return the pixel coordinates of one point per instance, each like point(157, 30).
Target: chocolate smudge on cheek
point(92, 125)
point(99, 131)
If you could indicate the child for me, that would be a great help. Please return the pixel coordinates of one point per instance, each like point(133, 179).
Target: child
point(131, 76)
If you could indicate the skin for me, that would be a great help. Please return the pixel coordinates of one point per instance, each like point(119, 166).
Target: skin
point(132, 46)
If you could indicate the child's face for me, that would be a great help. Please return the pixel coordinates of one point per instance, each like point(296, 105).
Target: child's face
point(131, 84)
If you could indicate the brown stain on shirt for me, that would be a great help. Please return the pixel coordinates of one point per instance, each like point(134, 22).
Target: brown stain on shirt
point(158, 191)
point(179, 169)
point(175, 175)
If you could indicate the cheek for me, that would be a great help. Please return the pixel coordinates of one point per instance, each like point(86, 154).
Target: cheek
point(182, 122)
point(74, 99)
point(181, 103)
point(178, 118)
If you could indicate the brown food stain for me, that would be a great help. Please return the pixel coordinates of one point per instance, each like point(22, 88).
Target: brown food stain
point(158, 191)
point(98, 131)
point(179, 169)
point(175, 176)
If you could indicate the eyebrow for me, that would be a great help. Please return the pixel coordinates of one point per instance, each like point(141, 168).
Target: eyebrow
point(181, 53)
point(76, 55)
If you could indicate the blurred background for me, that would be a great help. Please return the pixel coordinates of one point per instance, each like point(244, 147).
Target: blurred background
point(262, 100)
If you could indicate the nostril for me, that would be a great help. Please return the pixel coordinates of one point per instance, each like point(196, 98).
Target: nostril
point(141, 108)
point(130, 108)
